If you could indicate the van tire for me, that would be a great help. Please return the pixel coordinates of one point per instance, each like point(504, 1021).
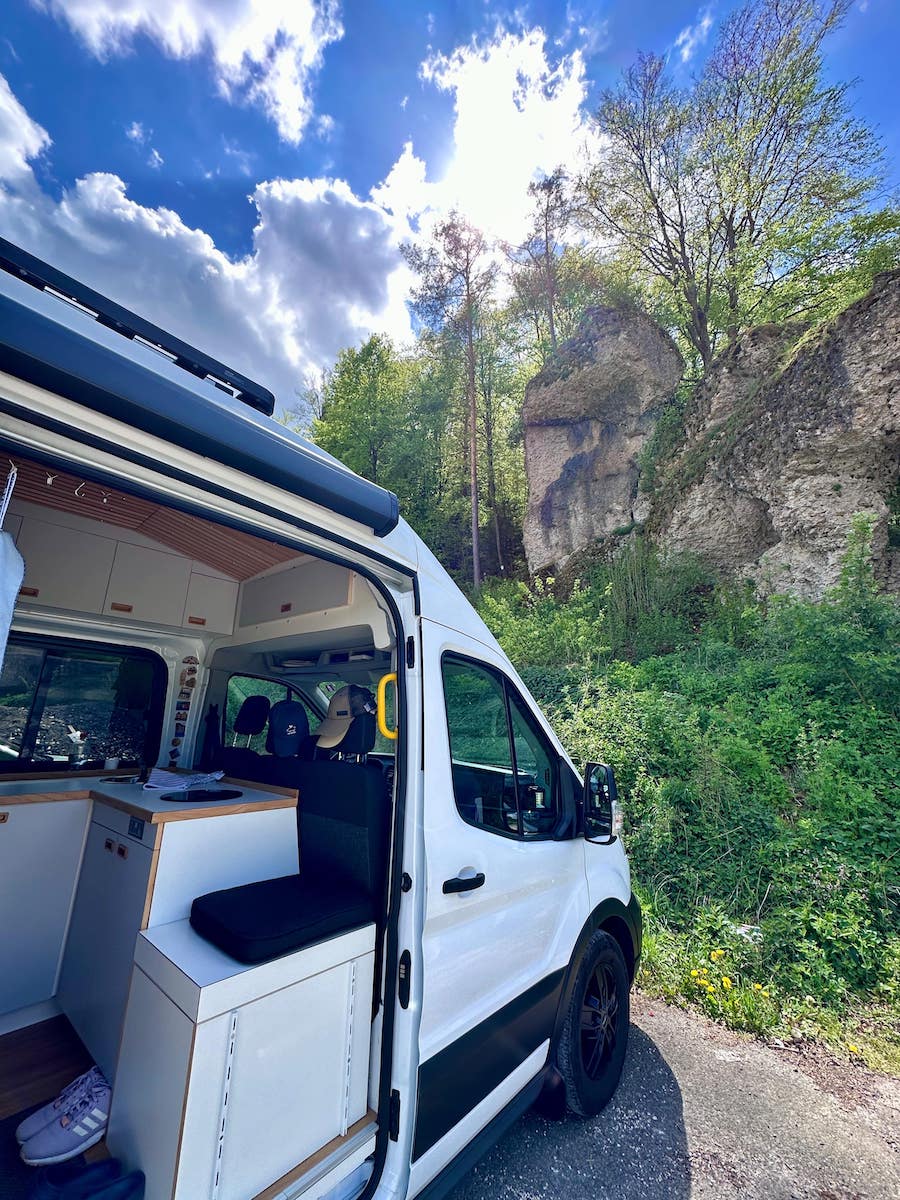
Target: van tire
point(590, 1058)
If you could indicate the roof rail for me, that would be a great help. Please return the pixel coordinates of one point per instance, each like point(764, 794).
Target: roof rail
point(41, 275)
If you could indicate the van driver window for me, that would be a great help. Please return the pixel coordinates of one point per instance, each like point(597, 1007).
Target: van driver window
point(501, 785)
point(65, 705)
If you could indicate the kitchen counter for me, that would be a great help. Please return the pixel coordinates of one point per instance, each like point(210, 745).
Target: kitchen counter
point(148, 805)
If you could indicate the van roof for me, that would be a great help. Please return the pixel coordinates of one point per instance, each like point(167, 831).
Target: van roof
point(62, 336)
point(65, 348)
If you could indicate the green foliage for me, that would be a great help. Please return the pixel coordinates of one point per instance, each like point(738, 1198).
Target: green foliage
point(759, 765)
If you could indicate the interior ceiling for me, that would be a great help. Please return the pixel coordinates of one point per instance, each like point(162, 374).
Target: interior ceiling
point(237, 555)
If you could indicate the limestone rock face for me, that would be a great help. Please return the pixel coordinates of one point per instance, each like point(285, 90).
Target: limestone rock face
point(586, 419)
point(780, 456)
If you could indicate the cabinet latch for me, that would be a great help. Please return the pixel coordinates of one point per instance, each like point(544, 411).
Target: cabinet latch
point(394, 1118)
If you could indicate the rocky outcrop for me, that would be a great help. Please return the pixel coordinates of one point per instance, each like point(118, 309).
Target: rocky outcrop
point(586, 418)
point(785, 446)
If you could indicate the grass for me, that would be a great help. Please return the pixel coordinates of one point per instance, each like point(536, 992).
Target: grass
point(757, 752)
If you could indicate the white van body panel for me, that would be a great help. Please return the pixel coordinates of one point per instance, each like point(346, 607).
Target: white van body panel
point(484, 949)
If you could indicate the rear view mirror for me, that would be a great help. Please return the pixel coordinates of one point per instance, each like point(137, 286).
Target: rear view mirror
point(599, 804)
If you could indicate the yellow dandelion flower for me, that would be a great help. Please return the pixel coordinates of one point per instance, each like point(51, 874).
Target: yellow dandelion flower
point(853, 1049)
point(765, 993)
point(726, 982)
point(694, 974)
point(757, 987)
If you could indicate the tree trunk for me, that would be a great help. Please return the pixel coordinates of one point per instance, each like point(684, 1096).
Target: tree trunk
point(473, 447)
point(491, 476)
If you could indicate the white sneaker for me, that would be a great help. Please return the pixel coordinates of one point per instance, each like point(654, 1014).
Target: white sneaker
point(82, 1125)
point(67, 1097)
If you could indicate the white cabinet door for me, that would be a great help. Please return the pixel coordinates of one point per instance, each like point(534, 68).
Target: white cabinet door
point(40, 849)
point(65, 568)
point(210, 604)
point(148, 585)
point(109, 904)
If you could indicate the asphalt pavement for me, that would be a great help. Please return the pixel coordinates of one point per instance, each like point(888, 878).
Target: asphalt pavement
point(702, 1113)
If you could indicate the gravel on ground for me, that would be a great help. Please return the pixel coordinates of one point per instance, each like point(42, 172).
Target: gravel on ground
point(705, 1113)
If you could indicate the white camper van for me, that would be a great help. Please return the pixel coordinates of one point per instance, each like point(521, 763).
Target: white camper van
point(287, 851)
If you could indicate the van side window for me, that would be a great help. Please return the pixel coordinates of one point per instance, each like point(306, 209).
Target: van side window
point(504, 774)
point(51, 690)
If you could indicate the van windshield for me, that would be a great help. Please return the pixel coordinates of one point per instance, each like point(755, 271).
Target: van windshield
point(67, 705)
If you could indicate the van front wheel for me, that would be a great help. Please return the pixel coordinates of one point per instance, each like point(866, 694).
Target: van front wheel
point(595, 1033)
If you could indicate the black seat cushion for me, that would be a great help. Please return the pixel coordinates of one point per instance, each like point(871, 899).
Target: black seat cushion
point(344, 829)
point(259, 921)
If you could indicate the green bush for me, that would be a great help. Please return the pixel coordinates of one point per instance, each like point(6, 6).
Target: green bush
point(758, 759)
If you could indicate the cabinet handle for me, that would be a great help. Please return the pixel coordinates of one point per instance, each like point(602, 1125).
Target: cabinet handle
point(29, 591)
point(109, 845)
point(4, 817)
point(122, 850)
point(196, 620)
point(117, 607)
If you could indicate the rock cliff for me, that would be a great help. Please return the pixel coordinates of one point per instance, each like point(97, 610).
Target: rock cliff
point(784, 446)
point(586, 418)
point(784, 441)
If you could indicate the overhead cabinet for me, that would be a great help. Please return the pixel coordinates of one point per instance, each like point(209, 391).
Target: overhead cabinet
point(64, 568)
point(148, 585)
point(210, 604)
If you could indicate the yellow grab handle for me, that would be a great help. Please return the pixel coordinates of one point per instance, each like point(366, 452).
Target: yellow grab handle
point(391, 677)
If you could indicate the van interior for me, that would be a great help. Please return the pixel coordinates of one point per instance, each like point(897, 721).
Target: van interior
point(216, 950)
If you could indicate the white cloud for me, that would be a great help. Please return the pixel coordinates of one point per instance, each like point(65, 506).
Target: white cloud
point(692, 37)
point(21, 139)
point(265, 51)
point(155, 160)
point(324, 270)
point(516, 116)
point(135, 132)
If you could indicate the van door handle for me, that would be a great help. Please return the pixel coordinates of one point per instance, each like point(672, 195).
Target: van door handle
point(462, 883)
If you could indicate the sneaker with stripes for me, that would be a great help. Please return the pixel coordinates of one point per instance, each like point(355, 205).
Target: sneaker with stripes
point(67, 1097)
point(82, 1125)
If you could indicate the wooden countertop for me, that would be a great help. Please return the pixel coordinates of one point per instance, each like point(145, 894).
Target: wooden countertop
point(133, 799)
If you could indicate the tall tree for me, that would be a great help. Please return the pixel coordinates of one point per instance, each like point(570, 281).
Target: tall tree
point(535, 264)
point(359, 407)
point(456, 275)
point(721, 189)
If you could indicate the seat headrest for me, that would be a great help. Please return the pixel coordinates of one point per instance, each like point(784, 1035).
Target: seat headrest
point(359, 738)
point(288, 728)
point(251, 717)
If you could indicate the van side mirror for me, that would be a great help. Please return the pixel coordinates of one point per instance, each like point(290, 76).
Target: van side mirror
point(599, 803)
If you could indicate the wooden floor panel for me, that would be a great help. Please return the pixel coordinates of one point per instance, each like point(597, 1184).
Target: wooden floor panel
point(37, 1062)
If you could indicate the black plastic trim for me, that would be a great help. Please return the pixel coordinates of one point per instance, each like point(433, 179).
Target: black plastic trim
point(25, 266)
point(51, 355)
point(460, 1166)
point(454, 1080)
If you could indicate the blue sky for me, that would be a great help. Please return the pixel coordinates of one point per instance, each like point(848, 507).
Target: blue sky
point(242, 171)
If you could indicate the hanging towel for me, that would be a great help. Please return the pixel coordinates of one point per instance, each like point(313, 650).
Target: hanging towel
point(12, 571)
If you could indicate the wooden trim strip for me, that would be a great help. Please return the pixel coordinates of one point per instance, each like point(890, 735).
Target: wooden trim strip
point(275, 1189)
point(43, 797)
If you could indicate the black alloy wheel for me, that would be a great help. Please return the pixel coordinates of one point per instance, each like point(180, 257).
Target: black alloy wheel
point(599, 1023)
point(594, 1038)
